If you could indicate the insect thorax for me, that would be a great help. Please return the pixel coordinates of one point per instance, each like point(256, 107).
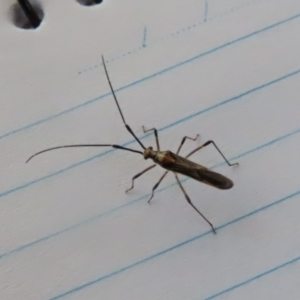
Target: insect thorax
point(160, 157)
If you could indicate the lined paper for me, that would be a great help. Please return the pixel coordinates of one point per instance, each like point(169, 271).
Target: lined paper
point(227, 70)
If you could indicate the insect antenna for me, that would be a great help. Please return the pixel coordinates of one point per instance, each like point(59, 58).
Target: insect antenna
point(84, 145)
point(119, 108)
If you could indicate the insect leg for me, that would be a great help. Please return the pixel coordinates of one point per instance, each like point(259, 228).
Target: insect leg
point(208, 143)
point(156, 136)
point(163, 176)
point(157, 184)
point(183, 141)
point(138, 175)
point(190, 202)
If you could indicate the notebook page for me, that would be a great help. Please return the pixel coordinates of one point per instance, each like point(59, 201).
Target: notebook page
point(227, 70)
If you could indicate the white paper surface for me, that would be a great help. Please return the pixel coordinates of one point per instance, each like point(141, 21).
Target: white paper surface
point(226, 69)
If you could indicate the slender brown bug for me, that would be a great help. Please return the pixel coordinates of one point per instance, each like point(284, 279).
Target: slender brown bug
point(166, 159)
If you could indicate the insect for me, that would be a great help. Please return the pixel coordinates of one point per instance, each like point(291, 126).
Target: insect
point(171, 162)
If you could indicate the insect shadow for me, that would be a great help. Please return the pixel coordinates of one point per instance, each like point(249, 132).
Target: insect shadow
point(168, 160)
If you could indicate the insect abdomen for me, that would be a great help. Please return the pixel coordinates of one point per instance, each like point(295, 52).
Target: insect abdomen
point(214, 179)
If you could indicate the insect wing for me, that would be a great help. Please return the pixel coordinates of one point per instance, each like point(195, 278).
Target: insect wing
point(188, 168)
point(215, 179)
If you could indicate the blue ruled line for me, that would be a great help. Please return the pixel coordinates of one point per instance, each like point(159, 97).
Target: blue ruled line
point(177, 32)
point(292, 261)
point(144, 197)
point(225, 102)
point(245, 37)
point(158, 254)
